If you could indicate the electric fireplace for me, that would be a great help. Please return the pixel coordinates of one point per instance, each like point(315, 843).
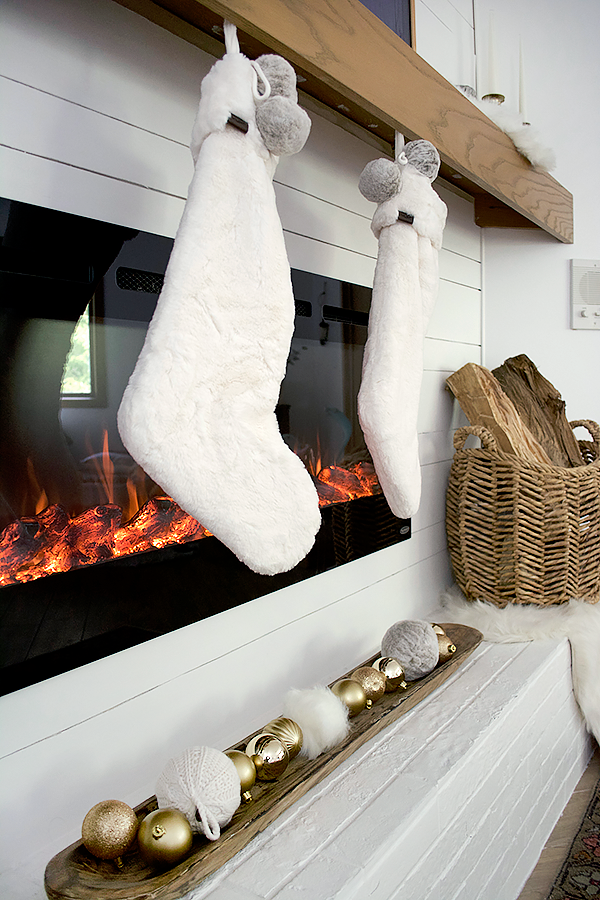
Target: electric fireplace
point(94, 557)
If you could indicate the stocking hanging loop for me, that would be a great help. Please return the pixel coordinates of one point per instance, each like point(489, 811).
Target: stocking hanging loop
point(232, 44)
point(259, 76)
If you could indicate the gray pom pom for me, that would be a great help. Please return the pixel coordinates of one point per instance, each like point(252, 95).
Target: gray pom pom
point(281, 75)
point(414, 644)
point(380, 180)
point(424, 157)
point(284, 126)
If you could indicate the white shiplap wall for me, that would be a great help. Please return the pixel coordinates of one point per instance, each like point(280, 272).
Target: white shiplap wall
point(98, 106)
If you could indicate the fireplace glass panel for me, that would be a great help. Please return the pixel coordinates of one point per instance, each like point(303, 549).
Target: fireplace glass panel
point(93, 556)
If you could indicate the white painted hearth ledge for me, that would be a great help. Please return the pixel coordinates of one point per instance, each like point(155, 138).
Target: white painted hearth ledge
point(454, 801)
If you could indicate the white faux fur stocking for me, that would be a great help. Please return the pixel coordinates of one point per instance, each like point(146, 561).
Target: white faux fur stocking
point(198, 412)
point(576, 620)
point(404, 294)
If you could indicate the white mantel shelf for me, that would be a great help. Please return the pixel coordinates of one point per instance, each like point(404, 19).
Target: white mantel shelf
point(454, 801)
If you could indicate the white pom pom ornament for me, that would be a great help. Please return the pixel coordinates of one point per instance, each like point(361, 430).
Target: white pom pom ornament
point(321, 715)
point(204, 785)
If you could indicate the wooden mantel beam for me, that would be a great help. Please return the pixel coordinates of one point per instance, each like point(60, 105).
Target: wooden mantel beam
point(356, 65)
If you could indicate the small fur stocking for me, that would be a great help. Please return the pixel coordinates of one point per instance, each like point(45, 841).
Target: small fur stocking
point(198, 413)
point(404, 294)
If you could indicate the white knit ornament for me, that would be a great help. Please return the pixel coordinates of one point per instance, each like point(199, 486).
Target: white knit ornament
point(204, 785)
point(415, 645)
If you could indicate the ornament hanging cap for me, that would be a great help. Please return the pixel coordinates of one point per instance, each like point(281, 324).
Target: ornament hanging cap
point(204, 785)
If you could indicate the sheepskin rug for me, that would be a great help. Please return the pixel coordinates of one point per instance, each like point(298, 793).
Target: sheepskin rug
point(576, 620)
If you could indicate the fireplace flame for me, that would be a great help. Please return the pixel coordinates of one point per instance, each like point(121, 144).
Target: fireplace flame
point(52, 541)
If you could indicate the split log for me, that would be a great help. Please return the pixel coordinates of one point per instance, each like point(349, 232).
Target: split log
point(484, 403)
point(541, 408)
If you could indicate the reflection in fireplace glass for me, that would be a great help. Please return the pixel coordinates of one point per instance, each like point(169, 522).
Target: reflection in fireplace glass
point(76, 299)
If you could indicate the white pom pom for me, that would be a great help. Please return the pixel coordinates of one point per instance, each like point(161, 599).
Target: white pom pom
point(321, 715)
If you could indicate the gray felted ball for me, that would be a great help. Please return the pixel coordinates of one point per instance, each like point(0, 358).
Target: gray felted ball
point(424, 157)
point(281, 75)
point(380, 180)
point(414, 644)
point(284, 126)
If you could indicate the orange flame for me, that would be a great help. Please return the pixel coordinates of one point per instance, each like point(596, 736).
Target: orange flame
point(52, 541)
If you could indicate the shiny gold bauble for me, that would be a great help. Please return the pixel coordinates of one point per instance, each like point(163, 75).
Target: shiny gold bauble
point(246, 771)
point(437, 628)
point(269, 755)
point(393, 671)
point(447, 648)
point(372, 682)
point(164, 837)
point(108, 829)
point(352, 694)
point(287, 731)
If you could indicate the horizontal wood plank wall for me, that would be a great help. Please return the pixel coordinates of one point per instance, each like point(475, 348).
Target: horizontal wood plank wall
point(99, 131)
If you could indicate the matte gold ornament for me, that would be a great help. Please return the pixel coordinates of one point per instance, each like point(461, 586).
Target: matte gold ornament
point(287, 731)
point(108, 829)
point(164, 837)
point(246, 771)
point(352, 694)
point(393, 671)
point(447, 648)
point(372, 681)
point(269, 755)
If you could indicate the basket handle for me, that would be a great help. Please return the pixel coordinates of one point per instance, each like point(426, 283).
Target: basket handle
point(488, 441)
point(593, 429)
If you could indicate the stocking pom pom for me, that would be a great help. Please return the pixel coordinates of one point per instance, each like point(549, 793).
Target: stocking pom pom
point(414, 644)
point(204, 785)
point(321, 715)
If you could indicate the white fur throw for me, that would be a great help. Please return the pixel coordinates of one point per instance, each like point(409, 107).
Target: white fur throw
point(576, 620)
point(198, 414)
point(404, 293)
point(524, 136)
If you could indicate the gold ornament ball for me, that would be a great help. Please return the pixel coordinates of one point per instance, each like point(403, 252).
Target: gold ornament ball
point(289, 732)
point(447, 648)
point(246, 771)
point(269, 755)
point(372, 682)
point(164, 837)
point(437, 628)
point(393, 671)
point(352, 694)
point(109, 828)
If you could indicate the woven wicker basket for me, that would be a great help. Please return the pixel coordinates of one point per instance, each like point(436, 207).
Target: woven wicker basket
point(521, 532)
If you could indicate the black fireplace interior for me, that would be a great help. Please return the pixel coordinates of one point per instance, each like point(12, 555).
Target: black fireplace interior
point(76, 298)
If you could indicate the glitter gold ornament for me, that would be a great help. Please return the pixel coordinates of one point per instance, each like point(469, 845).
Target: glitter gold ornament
point(269, 755)
point(164, 837)
point(287, 731)
point(246, 771)
point(108, 829)
point(372, 682)
point(352, 694)
point(393, 671)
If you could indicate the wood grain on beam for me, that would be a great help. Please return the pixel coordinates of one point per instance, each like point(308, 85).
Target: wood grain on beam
point(354, 63)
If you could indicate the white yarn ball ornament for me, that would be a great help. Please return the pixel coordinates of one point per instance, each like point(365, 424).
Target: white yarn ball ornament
point(321, 715)
point(414, 644)
point(204, 785)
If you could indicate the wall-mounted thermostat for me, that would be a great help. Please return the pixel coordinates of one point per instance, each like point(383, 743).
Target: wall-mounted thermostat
point(585, 293)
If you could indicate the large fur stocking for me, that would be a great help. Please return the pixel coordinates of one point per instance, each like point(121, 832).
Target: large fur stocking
point(198, 413)
point(404, 293)
point(576, 620)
